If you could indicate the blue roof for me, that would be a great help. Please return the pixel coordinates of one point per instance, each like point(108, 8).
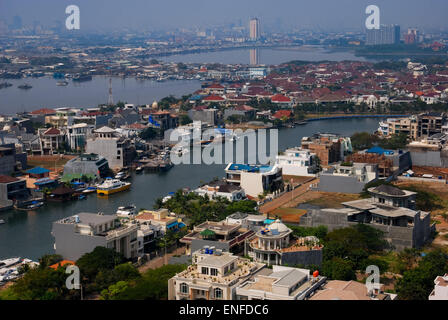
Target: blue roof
point(380, 151)
point(250, 168)
point(37, 170)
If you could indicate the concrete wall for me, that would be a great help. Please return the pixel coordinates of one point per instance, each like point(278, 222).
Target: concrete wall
point(72, 245)
point(331, 183)
point(430, 158)
point(302, 257)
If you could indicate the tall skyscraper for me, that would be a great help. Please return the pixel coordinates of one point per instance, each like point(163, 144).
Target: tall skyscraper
point(254, 29)
point(389, 34)
point(412, 36)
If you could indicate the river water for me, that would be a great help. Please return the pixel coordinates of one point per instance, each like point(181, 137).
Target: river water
point(27, 234)
point(45, 94)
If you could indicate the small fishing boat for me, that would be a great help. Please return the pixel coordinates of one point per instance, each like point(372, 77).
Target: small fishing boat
point(89, 190)
point(139, 169)
point(2, 221)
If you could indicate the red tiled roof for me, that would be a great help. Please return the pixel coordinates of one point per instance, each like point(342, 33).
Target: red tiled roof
point(213, 98)
point(43, 111)
point(282, 113)
point(280, 98)
point(52, 131)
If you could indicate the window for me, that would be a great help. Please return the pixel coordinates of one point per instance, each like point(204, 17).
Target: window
point(183, 288)
point(204, 270)
point(213, 272)
point(218, 293)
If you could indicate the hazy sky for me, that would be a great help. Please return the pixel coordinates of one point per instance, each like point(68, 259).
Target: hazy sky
point(160, 14)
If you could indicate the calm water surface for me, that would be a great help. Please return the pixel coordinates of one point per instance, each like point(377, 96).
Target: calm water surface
point(27, 234)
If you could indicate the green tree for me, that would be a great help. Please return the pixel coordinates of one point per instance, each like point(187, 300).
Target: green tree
point(339, 269)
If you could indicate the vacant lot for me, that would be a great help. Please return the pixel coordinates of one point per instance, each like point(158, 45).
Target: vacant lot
point(53, 163)
point(288, 215)
point(331, 199)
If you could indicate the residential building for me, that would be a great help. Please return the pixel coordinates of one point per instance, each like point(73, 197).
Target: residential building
point(430, 123)
point(117, 150)
point(163, 217)
point(329, 148)
point(347, 177)
point(440, 291)
point(221, 235)
point(408, 126)
point(77, 135)
point(221, 188)
point(203, 114)
point(389, 162)
point(297, 162)
point(255, 179)
point(279, 283)
point(82, 233)
point(8, 163)
point(275, 245)
point(12, 190)
point(51, 140)
point(430, 152)
point(88, 164)
point(213, 275)
point(389, 210)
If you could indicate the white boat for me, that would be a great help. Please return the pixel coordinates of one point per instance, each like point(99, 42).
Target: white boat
point(120, 175)
point(9, 262)
point(111, 186)
point(127, 212)
point(139, 169)
point(2, 221)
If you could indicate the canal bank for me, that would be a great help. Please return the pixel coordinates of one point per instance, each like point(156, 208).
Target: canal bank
point(28, 234)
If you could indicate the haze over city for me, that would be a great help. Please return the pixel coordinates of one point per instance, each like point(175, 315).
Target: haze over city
point(283, 15)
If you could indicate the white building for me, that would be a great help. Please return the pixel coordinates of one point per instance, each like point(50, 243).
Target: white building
point(255, 179)
point(213, 275)
point(77, 135)
point(108, 143)
point(440, 291)
point(221, 188)
point(280, 283)
point(297, 162)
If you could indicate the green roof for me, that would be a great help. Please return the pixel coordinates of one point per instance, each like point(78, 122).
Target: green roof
point(207, 233)
point(76, 176)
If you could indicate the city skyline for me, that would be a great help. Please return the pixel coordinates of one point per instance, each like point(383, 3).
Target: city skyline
point(322, 15)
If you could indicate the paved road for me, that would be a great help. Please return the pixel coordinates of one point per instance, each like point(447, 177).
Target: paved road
point(287, 197)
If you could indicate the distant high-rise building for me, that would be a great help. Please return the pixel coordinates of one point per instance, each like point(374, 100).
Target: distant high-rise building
point(254, 29)
point(412, 36)
point(389, 34)
point(16, 23)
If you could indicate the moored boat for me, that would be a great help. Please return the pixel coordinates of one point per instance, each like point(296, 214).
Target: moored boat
point(111, 186)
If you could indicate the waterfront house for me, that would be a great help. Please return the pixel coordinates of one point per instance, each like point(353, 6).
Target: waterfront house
point(255, 179)
point(77, 135)
point(11, 190)
point(297, 162)
point(106, 142)
point(51, 140)
point(163, 217)
point(82, 233)
point(221, 188)
point(88, 164)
